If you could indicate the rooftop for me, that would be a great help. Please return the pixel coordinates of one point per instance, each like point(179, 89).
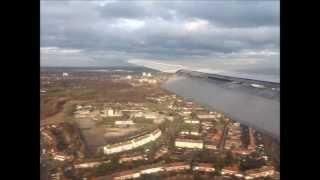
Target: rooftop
point(232, 167)
point(205, 165)
point(189, 140)
point(124, 173)
point(263, 168)
point(176, 164)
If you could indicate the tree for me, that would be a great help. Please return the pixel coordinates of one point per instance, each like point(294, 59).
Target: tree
point(114, 160)
point(229, 158)
point(69, 109)
point(220, 163)
point(193, 115)
point(103, 169)
point(196, 176)
point(150, 177)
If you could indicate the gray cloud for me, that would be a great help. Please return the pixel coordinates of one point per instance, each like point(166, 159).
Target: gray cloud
point(235, 13)
point(226, 13)
point(112, 32)
point(124, 9)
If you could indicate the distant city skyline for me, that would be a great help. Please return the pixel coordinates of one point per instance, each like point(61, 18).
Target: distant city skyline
point(227, 35)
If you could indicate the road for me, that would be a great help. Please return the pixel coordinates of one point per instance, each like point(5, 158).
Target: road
point(224, 135)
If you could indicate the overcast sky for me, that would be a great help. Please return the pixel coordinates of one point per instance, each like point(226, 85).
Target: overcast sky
point(216, 34)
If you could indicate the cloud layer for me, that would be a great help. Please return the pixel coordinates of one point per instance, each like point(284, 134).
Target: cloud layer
point(216, 33)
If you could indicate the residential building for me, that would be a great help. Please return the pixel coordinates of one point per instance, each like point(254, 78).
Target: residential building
point(152, 170)
point(189, 143)
point(158, 120)
point(206, 116)
point(138, 114)
point(211, 146)
point(124, 159)
point(127, 175)
point(56, 176)
point(203, 167)
point(151, 115)
point(132, 144)
point(133, 174)
point(47, 135)
point(189, 121)
point(170, 118)
point(129, 77)
point(128, 122)
point(234, 136)
point(111, 113)
point(231, 170)
point(261, 172)
point(59, 157)
point(195, 133)
point(89, 164)
point(152, 81)
point(177, 166)
point(162, 151)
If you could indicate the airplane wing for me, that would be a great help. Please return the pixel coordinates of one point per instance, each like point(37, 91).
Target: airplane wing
point(249, 100)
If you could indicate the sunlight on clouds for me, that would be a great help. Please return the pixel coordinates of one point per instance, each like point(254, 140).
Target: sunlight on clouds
point(102, 3)
point(128, 24)
point(196, 24)
point(57, 50)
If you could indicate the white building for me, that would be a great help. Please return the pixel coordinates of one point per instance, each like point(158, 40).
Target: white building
point(192, 121)
point(89, 164)
point(59, 157)
point(261, 172)
point(150, 115)
point(129, 77)
point(56, 176)
point(231, 170)
point(64, 74)
point(46, 135)
point(78, 107)
point(128, 175)
point(203, 167)
point(189, 143)
point(131, 158)
point(152, 81)
point(211, 146)
point(132, 144)
point(111, 113)
point(177, 166)
point(185, 113)
point(158, 120)
point(206, 116)
point(236, 124)
point(128, 122)
point(152, 170)
point(82, 114)
point(138, 114)
point(170, 118)
point(195, 133)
